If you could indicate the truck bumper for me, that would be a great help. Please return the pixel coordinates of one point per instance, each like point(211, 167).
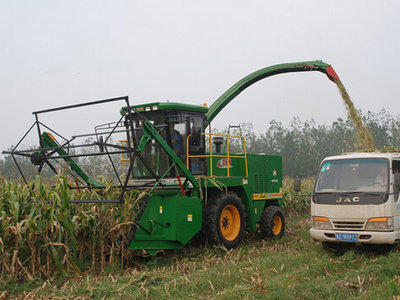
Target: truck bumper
point(366, 237)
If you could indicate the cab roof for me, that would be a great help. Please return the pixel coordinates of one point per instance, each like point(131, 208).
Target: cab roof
point(155, 106)
point(388, 155)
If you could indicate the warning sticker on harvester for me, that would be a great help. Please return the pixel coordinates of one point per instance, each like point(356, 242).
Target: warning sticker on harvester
point(161, 209)
point(190, 218)
point(263, 196)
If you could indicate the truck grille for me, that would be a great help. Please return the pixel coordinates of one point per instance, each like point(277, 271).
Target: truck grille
point(348, 225)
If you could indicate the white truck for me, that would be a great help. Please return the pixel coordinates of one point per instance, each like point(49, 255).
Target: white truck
point(356, 199)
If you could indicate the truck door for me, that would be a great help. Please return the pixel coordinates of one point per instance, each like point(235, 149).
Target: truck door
point(396, 206)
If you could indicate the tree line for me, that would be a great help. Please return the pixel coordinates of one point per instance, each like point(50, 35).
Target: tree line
point(302, 144)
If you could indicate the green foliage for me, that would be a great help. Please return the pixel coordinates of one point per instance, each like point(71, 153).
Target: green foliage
point(95, 166)
point(49, 250)
point(303, 144)
point(297, 204)
point(289, 268)
point(42, 234)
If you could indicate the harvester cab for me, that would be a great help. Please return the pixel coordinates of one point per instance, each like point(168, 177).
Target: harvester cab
point(193, 184)
point(180, 126)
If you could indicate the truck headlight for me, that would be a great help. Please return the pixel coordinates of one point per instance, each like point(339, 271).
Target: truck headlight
point(380, 223)
point(321, 222)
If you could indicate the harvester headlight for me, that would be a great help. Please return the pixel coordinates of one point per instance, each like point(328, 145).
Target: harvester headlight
point(321, 222)
point(380, 223)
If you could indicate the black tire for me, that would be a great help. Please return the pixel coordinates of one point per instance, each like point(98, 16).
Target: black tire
point(220, 207)
point(268, 227)
point(201, 237)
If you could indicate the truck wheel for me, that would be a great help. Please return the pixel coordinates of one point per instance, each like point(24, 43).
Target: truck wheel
point(272, 223)
point(225, 220)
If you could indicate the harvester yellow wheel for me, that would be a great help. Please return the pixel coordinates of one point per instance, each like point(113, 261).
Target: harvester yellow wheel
point(229, 222)
point(272, 223)
point(225, 220)
point(277, 225)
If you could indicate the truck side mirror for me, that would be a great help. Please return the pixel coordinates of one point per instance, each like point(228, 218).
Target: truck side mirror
point(397, 180)
point(297, 185)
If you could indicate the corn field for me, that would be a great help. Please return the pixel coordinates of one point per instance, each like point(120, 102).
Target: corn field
point(43, 235)
point(296, 204)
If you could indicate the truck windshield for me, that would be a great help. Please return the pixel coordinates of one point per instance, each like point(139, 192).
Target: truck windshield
point(353, 175)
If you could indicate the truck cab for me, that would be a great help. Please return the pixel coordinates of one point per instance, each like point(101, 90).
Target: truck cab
point(356, 199)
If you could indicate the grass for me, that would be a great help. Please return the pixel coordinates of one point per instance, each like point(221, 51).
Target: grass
point(291, 267)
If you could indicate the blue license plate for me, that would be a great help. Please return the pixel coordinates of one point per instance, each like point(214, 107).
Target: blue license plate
point(348, 237)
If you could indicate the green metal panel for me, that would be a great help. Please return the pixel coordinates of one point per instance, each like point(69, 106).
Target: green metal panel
point(266, 179)
point(225, 181)
point(237, 166)
point(242, 84)
point(266, 173)
point(169, 221)
point(258, 209)
point(155, 106)
point(262, 187)
point(274, 173)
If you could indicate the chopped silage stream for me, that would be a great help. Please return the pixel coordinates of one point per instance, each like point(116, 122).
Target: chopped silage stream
point(364, 137)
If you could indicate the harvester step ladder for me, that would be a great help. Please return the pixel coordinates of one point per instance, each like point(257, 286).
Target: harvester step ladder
point(229, 132)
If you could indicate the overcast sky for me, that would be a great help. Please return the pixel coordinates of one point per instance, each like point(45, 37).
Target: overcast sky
point(56, 53)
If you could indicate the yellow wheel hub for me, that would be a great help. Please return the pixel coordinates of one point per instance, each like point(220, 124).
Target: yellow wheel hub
point(277, 225)
point(230, 222)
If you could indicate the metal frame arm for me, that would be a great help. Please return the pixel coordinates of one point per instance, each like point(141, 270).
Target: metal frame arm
point(244, 83)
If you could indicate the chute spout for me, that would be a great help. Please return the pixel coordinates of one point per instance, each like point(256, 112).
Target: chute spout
point(330, 72)
point(252, 78)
